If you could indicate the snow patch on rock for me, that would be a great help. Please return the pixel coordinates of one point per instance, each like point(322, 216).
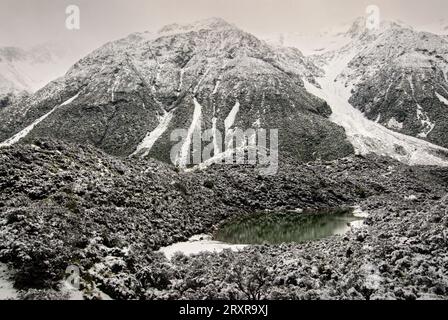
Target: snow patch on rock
point(425, 121)
point(394, 124)
point(359, 213)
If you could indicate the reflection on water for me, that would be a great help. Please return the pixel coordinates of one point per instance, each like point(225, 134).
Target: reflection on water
point(277, 228)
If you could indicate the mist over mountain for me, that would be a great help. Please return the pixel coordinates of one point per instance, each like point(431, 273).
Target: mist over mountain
point(24, 71)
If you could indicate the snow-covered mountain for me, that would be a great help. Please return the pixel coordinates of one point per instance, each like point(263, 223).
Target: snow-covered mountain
point(128, 96)
point(387, 88)
point(24, 71)
point(396, 78)
point(312, 43)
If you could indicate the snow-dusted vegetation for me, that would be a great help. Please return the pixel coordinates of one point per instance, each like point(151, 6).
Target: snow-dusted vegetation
point(358, 208)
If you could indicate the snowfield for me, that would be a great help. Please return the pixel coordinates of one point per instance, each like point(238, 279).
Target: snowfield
point(198, 244)
point(195, 125)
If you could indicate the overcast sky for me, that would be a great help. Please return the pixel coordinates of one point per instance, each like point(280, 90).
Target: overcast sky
point(29, 22)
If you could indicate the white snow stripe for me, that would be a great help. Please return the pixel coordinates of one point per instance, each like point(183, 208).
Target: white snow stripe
point(181, 79)
point(216, 146)
point(22, 134)
point(144, 148)
point(442, 99)
point(215, 89)
point(115, 87)
point(230, 120)
point(195, 124)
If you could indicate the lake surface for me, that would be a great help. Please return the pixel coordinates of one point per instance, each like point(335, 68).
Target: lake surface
point(277, 228)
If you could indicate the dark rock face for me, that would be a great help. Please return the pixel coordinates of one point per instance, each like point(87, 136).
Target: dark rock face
point(412, 106)
point(11, 99)
point(5, 101)
point(402, 83)
point(64, 204)
point(125, 87)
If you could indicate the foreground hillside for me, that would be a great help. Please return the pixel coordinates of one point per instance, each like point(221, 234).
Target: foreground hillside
point(64, 204)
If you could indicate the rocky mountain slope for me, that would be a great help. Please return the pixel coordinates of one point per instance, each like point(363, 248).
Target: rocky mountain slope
point(129, 95)
point(397, 77)
point(384, 89)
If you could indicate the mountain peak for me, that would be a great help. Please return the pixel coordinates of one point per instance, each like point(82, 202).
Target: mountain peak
point(207, 24)
point(359, 26)
point(214, 22)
